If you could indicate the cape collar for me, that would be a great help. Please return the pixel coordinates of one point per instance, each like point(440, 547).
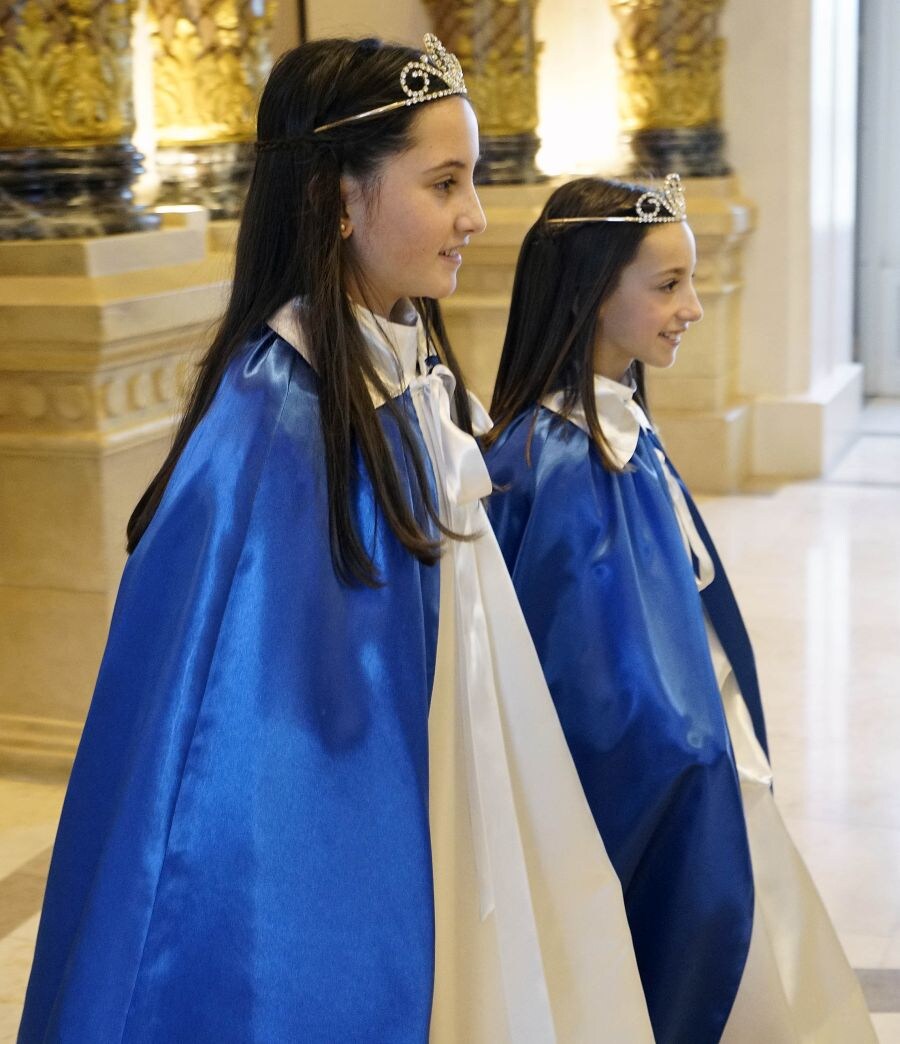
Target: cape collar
point(398, 350)
point(621, 418)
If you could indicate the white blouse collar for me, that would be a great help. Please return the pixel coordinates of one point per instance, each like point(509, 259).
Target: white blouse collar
point(621, 418)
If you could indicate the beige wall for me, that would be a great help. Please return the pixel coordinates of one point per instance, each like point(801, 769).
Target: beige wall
point(402, 20)
point(285, 27)
point(790, 95)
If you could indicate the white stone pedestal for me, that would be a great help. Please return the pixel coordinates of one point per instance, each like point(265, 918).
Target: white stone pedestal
point(94, 343)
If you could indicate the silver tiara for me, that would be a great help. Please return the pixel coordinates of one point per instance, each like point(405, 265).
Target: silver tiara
point(436, 61)
point(654, 206)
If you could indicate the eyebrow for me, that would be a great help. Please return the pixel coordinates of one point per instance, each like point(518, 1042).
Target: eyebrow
point(456, 164)
point(672, 270)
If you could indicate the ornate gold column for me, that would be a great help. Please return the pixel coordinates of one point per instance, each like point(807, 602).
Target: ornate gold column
point(670, 64)
point(211, 59)
point(66, 160)
point(494, 41)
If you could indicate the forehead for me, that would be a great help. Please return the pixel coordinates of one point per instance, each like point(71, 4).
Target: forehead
point(443, 130)
point(667, 246)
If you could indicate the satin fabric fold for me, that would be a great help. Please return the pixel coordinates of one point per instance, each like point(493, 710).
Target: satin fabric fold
point(797, 986)
point(245, 853)
point(532, 940)
point(244, 850)
point(611, 601)
point(532, 943)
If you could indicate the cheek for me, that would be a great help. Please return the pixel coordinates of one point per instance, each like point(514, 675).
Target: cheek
point(401, 238)
point(418, 231)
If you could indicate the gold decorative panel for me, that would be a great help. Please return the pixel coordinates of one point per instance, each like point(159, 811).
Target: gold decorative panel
point(494, 41)
point(670, 63)
point(65, 73)
point(211, 58)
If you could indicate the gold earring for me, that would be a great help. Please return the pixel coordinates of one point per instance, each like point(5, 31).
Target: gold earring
point(343, 228)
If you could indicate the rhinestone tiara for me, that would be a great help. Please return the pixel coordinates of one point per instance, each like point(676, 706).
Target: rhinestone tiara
point(653, 207)
point(436, 61)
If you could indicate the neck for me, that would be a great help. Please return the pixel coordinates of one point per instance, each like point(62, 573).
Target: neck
point(394, 310)
point(614, 373)
point(611, 363)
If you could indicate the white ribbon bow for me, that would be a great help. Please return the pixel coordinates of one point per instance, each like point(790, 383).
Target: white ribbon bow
point(460, 471)
point(463, 479)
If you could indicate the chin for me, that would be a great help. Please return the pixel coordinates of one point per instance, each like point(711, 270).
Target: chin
point(438, 291)
point(665, 361)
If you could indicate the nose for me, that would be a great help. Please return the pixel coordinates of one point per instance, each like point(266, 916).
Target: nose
point(471, 220)
point(691, 309)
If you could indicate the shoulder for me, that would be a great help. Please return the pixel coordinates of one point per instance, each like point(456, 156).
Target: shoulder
point(535, 442)
point(536, 455)
point(264, 416)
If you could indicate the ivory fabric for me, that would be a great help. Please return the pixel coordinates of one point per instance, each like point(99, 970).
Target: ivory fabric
point(532, 943)
point(797, 985)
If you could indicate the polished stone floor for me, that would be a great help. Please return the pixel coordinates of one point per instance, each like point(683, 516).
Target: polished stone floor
point(816, 567)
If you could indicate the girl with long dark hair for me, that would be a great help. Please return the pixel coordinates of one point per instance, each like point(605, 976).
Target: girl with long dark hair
point(303, 807)
point(639, 635)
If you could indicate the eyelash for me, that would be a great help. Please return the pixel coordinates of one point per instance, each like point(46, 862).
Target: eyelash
point(445, 185)
point(670, 286)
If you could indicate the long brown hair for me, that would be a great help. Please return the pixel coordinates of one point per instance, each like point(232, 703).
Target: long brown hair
point(564, 274)
point(289, 246)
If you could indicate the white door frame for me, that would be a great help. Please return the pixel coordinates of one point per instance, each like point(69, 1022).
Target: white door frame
point(878, 236)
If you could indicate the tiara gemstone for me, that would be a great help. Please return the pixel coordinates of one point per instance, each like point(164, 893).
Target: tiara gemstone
point(416, 80)
point(655, 206)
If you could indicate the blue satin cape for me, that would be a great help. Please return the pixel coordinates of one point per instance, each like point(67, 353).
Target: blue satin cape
point(244, 851)
point(600, 568)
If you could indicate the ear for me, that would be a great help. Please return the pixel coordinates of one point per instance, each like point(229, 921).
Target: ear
point(350, 194)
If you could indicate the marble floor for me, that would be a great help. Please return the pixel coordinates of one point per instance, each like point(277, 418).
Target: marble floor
point(816, 567)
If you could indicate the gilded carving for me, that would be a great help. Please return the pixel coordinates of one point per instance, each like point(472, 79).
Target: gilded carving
point(670, 63)
point(494, 41)
point(65, 73)
point(210, 60)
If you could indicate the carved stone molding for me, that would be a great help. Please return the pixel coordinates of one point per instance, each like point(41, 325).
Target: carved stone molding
point(38, 748)
point(97, 340)
point(109, 398)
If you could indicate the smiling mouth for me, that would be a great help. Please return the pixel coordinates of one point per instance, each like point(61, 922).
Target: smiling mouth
point(673, 338)
point(452, 254)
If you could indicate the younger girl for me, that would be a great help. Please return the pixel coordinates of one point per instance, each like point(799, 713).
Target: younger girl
point(639, 635)
point(257, 844)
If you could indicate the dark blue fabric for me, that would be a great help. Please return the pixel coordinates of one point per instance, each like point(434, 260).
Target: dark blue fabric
point(244, 848)
point(722, 608)
point(600, 569)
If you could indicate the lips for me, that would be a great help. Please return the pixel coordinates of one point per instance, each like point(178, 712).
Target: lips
point(452, 254)
point(674, 337)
